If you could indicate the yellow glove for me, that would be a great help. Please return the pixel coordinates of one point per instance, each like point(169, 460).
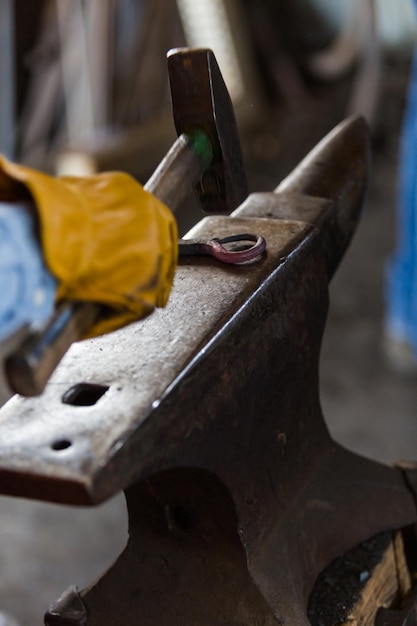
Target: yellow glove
point(104, 238)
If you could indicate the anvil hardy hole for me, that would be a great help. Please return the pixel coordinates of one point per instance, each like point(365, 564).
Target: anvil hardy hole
point(84, 394)
point(61, 444)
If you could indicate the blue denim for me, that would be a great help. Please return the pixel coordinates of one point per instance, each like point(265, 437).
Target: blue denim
point(27, 289)
point(401, 286)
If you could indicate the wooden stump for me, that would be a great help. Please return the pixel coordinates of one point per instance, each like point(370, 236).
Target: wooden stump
point(356, 584)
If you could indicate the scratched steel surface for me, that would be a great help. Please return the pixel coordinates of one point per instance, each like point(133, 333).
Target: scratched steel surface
point(138, 364)
point(55, 451)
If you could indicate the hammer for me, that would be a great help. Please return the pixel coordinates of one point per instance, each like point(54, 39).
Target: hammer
point(207, 156)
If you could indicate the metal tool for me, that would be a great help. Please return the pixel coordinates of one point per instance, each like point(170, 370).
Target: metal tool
point(207, 155)
point(242, 253)
point(238, 497)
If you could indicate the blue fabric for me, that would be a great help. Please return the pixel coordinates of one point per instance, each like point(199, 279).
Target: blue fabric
point(27, 289)
point(401, 312)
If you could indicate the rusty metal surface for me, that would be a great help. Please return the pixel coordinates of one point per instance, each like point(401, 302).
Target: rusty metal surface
point(138, 365)
point(208, 413)
point(68, 610)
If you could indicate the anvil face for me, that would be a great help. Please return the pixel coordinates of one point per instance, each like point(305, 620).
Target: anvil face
point(137, 371)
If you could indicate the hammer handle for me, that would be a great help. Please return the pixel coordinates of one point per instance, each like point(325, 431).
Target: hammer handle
point(181, 169)
point(29, 368)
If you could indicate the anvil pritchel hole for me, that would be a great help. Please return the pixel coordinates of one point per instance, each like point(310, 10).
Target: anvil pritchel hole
point(61, 444)
point(84, 394)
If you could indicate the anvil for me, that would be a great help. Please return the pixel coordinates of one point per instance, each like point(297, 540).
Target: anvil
point(208, 415)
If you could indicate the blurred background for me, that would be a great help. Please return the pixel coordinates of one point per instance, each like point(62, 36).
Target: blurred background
point(85, 89)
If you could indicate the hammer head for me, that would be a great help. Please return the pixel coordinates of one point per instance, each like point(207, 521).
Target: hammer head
point(200, 101)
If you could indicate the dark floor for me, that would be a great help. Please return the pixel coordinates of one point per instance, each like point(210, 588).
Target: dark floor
point(369, 408)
